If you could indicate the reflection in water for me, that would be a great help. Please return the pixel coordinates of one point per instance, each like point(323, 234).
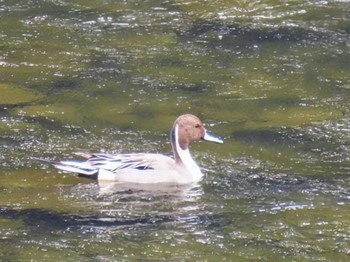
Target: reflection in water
point(118, 198)
point(188, 191)
point(144, 213)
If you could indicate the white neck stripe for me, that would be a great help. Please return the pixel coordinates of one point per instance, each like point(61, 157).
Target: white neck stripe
point(186, 158)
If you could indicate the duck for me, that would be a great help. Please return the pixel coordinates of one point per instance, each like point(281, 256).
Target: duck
point(147, 168)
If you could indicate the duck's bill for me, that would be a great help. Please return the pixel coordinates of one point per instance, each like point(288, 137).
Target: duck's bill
point(209, 137)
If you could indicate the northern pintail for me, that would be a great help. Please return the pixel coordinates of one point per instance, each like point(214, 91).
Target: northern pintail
point(148, 167)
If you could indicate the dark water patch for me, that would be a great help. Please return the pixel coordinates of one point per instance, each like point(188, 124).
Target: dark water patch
point(64, 84)
point(234, 35)
point(46, 220)
point(6, 141)
point(304, 190)
point(288, 34)
point(214, 221)
point(170, 60)
point(49, 124)
point(195, 88)
point(284, 137)
point(201, 27)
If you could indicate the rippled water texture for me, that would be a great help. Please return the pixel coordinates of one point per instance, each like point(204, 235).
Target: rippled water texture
point(270, 77)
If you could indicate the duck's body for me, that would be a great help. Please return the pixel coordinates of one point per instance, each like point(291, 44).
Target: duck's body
point(145, 167)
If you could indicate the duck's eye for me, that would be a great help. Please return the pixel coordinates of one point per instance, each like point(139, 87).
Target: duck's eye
point(197, 126)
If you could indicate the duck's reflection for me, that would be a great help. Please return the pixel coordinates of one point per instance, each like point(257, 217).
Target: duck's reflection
point(128, 199)
point(188, 190)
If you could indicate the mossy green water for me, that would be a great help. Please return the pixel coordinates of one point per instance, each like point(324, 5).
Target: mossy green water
point(12, 96)
point(270, 77)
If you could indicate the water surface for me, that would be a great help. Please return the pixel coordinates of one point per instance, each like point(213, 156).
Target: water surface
point(270, 77)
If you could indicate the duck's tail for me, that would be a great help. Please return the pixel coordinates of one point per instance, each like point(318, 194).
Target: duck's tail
point(83, 169)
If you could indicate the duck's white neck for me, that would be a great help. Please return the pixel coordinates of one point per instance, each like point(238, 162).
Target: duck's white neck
point(185, 157)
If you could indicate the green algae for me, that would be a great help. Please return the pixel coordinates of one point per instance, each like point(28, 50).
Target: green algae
point(64, 113)
point(11, 95)
point(272, 79)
